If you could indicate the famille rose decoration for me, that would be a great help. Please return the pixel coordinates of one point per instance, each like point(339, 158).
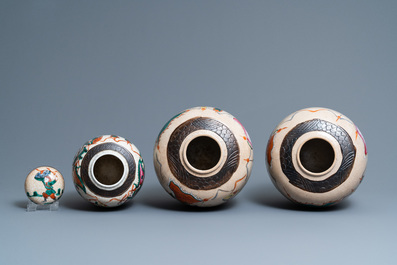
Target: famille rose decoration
point(316, 157)
point(203, 156)
point(44, 185)
point(108, 171)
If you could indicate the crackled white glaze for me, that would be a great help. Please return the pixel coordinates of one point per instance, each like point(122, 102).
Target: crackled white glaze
point(316, 156)
point(203, 156)
point(44, 185)
point(108, 171)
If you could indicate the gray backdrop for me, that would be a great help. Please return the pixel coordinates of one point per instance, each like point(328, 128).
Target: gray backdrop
point(73, 70)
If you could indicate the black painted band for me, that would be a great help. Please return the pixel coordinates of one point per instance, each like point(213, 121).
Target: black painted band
point(347, 148)
point(174, 160)
point(131, 169)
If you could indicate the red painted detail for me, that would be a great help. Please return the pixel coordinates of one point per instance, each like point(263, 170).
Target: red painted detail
point(362, 137)
point(269, 150)
point(182, 196)
point(314, 110)
point(96, 140)
point(270, 145)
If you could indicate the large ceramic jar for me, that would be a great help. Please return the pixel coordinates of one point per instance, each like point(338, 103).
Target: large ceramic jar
point(203, 156)
point(316, 156)
point(108, 171)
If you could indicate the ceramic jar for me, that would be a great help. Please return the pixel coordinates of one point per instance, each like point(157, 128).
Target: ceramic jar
point(108, 171)
point(203, 156)
point(44, 185)
point(316, 156)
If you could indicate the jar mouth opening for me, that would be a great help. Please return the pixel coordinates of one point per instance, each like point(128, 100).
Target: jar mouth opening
point(203, 153)
point(108, 170)
point(317, 156)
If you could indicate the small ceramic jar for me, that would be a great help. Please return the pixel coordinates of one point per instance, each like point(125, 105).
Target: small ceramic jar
point(203, 156)
point(108, 171)
point(316, 156)
point(44, 185)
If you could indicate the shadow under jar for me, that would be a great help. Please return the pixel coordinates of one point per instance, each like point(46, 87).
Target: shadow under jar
point(203, 156)
point(108, 171)
point(316, 157)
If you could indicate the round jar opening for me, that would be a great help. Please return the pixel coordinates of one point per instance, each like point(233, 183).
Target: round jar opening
point(108, 170)
point(203, 153)
point(317, 155)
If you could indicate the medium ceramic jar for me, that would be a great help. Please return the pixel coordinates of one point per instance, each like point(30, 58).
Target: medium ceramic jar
point(44, 185)
point(203, 156)
point(108, 171)
point(316, 157)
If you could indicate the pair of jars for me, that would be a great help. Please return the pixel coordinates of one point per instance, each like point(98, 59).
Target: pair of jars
point(203, 156)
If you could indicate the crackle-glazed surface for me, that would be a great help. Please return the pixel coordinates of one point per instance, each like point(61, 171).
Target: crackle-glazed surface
point(108, 195)
point(293, 179)
point(44, 185)
point(211, 186)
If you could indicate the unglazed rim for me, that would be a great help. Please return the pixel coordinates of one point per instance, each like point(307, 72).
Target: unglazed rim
point(199, 172)
point(104, 186)
point(313, 175)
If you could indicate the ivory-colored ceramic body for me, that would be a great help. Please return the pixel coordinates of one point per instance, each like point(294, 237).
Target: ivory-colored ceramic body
point(108, 171)
point(316, 156)
point(44, 185)
point(203, 156)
